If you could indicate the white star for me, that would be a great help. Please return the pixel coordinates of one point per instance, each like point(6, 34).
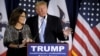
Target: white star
point(98, 4)
point(97, 9)
point(92, 14)
point(93, 4)
point(84, 13)
point(20, 4)
point(29, 10)
point(91, 19)
point(97, 14)
point(32, 10)
point(79, 8)
point(84, 3)
point(29, 15)
point(24, 9)
point(32, 15)
point(33, 6)
point(33, 1)
point(88, 8)
point(29, 5)
point(24, 0)
point(88, 19)
point(97, 19)
point(29, 0)
point(92, 9)
point(91, 24)
point(84, 8)
point(88, 14)
point(24, 4)
point(88, 3)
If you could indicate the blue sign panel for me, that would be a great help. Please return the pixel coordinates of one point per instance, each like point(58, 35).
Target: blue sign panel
point(47, 49)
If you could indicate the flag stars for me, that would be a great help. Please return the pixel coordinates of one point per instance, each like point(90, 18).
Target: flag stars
point(85, 3)
point(24, 4)
point(91, 19)
point(97, 9)
point(33, 11)
point(29, 5)
point(97, 14)
point(98, 4)
point(92, 14)
point(93, 4)
point(33, 1)
point(84, 8)
point(33, 6)
point(88, 8)
point(88, 19)
point(88, 14)
point(32, 15)
point(92, 9)
point(97, 19)
point(88, 3)
point(91, 24)
point(29, 15)
point(20, 4)
point(24, 0)
point(29, 10)
point(24, 9)
point(84, 13)
point(29, 0)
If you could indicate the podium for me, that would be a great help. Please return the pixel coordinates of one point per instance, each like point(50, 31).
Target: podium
point(42, 49)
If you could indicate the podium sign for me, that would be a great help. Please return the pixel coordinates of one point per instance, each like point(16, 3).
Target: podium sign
point(47, 49)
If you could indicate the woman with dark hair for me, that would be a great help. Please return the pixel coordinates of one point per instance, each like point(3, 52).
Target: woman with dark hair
point(17, 34)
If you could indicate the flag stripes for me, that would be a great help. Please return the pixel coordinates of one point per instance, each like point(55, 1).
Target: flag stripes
point(86, 42)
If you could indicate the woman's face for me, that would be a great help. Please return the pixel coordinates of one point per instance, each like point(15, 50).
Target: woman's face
point(22, 18)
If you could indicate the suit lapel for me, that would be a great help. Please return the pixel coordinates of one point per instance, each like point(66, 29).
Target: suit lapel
point(47, 24)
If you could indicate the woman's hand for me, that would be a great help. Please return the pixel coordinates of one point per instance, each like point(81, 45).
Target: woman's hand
point(27, 40)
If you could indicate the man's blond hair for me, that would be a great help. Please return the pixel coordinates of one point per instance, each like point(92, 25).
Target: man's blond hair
point(39, 3)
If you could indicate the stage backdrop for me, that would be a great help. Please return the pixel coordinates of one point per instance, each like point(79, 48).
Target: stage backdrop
point(3, 23)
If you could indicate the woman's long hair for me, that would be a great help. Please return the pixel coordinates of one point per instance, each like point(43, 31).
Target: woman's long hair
point(15, 16)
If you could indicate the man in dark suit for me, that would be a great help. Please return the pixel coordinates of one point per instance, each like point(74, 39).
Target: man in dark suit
point(52, 29)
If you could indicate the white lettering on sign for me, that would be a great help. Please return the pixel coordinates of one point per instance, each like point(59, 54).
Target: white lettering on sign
point(48, 48)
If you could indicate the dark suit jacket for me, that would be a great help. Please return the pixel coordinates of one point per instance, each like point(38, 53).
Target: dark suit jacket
point(52, 32)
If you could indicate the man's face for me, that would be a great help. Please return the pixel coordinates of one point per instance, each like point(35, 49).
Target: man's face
point(41, 10)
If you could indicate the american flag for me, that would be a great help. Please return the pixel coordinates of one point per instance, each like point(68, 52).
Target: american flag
point(28, 6)
point(86, 40)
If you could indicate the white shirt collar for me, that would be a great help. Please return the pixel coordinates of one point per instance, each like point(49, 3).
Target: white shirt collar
point(39, 17)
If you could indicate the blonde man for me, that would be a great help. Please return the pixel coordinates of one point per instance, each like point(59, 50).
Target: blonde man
point(52, 29)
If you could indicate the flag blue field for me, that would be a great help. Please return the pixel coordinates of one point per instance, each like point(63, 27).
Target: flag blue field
point(28, 6)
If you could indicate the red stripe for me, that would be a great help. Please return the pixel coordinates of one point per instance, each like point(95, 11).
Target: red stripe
point(76, 51)
point(4, 54)
point(97, 32)
point(83, 29)
point(82, 43)
point(98, 35)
